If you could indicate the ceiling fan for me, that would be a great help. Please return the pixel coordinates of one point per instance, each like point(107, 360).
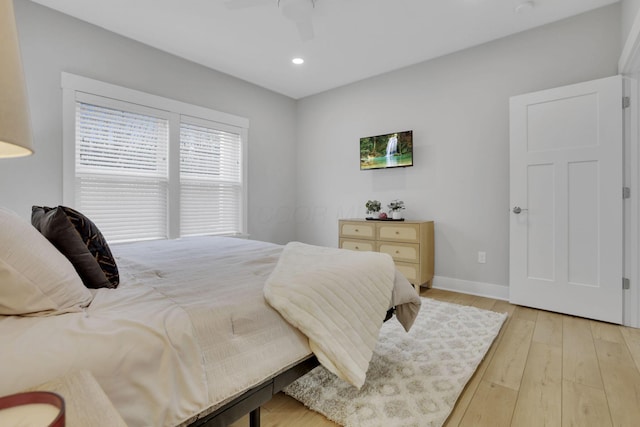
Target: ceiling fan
point(298, 11)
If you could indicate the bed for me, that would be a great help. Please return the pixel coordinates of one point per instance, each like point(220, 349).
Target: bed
point(186, 337)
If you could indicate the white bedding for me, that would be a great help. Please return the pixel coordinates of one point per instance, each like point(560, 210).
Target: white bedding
point(186, 331)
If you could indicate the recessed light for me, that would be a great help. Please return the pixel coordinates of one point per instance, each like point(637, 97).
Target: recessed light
point(298, 61)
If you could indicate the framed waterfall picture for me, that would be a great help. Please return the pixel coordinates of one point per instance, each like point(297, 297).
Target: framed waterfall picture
point(392, 150)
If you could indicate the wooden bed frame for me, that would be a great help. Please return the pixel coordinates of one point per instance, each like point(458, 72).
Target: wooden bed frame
point(251, 400)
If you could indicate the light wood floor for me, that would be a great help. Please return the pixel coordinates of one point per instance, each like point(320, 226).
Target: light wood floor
point(544, 369)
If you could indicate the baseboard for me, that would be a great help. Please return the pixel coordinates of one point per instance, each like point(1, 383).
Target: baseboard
point(489, 290)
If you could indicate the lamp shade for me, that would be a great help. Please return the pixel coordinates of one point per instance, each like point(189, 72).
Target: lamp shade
point(15, 126)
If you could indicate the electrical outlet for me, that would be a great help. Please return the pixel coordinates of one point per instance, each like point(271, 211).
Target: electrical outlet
point(482, 257)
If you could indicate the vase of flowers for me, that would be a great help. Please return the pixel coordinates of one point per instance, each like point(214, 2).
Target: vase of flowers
point(373, 208)
point(395, 209)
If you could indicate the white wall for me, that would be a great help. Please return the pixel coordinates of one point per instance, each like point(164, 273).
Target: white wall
point(52, 42)
point(457, 106)
point(629, 11)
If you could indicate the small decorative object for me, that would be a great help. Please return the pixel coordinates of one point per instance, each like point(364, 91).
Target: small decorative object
point(383, 215)
point(373, 208)
point(395, 207)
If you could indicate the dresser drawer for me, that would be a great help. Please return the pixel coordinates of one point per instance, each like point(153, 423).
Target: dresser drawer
point(408, 252)
point(358, 230)
point(410, 271)
point(358, 245)
point(399, 232)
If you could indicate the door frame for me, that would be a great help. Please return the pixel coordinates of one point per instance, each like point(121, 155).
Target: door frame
point(629, 66)
point(631, 207)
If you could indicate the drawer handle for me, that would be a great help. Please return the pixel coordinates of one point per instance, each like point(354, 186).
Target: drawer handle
point(397, 232)
point(357, 247)
point(356, 230)
point(397, 252)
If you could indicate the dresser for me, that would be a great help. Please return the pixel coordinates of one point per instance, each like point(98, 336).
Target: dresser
point(410, 244)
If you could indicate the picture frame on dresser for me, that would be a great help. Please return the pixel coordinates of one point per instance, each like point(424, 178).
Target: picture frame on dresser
point(409, 243)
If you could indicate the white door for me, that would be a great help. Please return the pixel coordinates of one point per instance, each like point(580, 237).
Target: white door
point(566, 200)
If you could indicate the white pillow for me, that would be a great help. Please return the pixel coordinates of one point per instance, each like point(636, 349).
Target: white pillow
point(35, 278)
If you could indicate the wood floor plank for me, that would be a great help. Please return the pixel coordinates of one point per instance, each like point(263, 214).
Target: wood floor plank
point(621, 382)
point(580, 362)
point(632, 339)
point(439, 294)
point(464, 299)
point(508, 363)
point(502, 306)
point(548, 329)
point(526, 313)
point(540, 398)
point(500, 399)
point(295, 414)
point(284, 411)
point(584, 406)
point(483, 303)
point(606, 331)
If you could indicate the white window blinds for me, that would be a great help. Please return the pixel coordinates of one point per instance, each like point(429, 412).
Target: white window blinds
point(211, 184)
point(122, 170)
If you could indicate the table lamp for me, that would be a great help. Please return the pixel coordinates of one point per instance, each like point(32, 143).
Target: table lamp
point(15, 129)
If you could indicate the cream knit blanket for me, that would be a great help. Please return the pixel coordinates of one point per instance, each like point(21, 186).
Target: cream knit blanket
point(338, 299)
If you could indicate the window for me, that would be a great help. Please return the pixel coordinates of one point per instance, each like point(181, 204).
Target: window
point(122, 176)
point(210, 178)
point(146, 167)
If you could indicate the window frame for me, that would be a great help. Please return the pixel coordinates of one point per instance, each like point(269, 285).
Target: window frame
point(219, 183)
point(80, 89)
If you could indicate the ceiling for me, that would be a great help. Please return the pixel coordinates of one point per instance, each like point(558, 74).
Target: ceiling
point(354, 39)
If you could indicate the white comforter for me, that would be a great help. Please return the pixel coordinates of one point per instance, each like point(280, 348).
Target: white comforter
point(187, 330)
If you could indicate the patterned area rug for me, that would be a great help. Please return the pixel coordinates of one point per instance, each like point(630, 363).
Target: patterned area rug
point(414, 378)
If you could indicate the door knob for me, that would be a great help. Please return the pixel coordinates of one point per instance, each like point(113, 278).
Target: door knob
point(518, 209)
